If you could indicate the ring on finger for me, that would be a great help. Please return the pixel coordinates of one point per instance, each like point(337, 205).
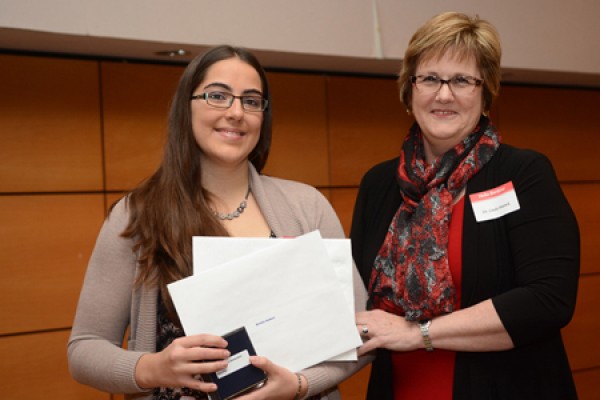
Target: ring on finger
point(365, 330)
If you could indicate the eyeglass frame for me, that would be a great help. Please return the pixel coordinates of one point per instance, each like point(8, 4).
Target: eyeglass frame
point(478, 82)
point(204, 96)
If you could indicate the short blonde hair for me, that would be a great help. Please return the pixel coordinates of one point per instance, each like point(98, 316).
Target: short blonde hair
point(463, 35)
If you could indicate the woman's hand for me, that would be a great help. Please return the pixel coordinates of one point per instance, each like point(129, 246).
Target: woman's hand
point(182, 361)
point(474, 328)
point(381, 329)
point(282, 384)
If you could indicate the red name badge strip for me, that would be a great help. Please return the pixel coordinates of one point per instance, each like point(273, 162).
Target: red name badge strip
point(495, 203)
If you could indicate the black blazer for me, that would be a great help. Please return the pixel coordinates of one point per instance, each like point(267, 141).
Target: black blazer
point(527, 262)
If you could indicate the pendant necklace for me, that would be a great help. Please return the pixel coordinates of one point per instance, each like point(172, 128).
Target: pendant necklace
point(238, 211)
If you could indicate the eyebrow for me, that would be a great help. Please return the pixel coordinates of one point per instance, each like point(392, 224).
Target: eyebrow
point(224, 86)
point(452, 76)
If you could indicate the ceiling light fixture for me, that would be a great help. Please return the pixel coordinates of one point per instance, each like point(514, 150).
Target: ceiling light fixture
point(173, 53)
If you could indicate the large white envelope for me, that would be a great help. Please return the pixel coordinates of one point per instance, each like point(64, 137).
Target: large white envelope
point(287, 296)
point(212, 251)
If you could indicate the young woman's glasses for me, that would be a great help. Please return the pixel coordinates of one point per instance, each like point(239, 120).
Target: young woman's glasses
point(429, 84)
point(251, 103)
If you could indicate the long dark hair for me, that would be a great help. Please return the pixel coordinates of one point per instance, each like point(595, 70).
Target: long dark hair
point(171, 206)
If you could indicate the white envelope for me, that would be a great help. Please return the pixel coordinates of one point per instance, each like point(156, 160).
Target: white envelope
point(287, 296)
point(212, 251)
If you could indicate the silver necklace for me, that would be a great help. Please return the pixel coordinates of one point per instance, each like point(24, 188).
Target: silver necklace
point(238, 211)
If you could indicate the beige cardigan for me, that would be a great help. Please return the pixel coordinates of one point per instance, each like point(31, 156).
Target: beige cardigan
point(108, 306)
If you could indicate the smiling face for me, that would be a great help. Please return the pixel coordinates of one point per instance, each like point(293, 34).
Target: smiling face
point(226, 136)
point(446, 119)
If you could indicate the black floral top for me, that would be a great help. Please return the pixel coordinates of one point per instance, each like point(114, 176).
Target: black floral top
point(166, 332)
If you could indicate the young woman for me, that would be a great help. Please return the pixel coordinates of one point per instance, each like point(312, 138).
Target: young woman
point(208, 183)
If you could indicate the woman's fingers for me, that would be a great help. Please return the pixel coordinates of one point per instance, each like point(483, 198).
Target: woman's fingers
point(281, 383)
point(197, 384)
point(205, 367)
point(365, 324)
point(202, 340)
point(207, 354)
point(263, 363)
point(366, 347)
point(379, 328)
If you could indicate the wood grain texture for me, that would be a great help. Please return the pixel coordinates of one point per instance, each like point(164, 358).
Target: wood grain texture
point(136, 101)
point(583, 198)
point(45, 242)
point(49, 125)
point(557, 122)
point(587, 384)
point(299, 149)
point(343, 200)
point(35, 367)
point(367, 125)
point(56, 114)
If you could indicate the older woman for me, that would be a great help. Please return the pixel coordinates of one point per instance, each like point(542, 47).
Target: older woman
point(209, 183)
point(468, 247)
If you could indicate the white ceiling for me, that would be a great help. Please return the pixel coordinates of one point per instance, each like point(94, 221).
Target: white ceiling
point(544, 41)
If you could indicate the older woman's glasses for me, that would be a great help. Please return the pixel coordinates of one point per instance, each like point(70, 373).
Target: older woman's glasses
point(459, 85)
point(251, 103)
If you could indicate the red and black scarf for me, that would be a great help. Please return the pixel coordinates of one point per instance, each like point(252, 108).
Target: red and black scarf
point(411, 271)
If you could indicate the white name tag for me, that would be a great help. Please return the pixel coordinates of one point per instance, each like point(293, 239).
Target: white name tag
point(495, 203)
point(234, 363)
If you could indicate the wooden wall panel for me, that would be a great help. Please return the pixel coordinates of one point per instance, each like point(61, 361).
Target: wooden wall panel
point(343, 203)
point(587, 384)
point(367, 124)
point(581, 335)
point(45, 242)
point(584, 201)
point(35, 367)
point(136, 100)
point(327, 132)
point(557, 122)
point(299, 149)
point(49, 125)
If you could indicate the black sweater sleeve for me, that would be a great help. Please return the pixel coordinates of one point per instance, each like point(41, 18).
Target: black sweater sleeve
point(544, 252)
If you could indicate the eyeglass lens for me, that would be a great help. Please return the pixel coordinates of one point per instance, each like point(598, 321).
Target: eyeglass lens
point(225, 100)
point(458, 84)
